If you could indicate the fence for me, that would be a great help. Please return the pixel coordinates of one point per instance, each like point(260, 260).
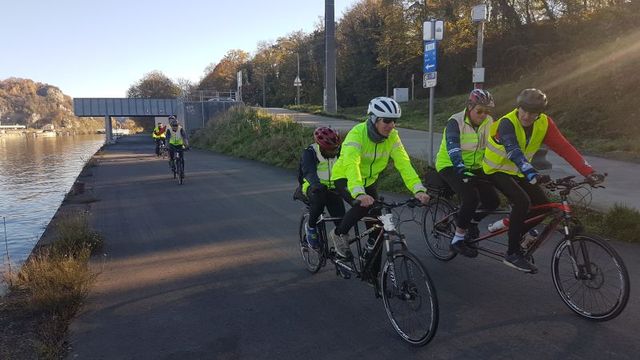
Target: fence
point(203, 105)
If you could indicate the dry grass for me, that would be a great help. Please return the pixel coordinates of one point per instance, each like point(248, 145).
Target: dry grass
point(49, 290)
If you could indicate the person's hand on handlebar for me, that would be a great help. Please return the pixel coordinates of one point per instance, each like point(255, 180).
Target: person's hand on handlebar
point(595, 178)
point(365, 200)
point(423, 197)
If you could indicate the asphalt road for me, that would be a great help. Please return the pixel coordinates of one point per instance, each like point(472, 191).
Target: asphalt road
point(621, 184)
point(211, 270)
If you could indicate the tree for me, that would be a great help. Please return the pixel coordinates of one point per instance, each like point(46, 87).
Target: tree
point(222, 76)
point(154, 85)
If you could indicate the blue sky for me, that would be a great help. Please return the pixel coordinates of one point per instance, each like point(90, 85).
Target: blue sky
point(100, 48)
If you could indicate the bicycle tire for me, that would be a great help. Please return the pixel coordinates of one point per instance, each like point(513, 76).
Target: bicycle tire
point(312, 259)
point(439, 239)
point(408, 282)
point(607, 269)
point(181, 171)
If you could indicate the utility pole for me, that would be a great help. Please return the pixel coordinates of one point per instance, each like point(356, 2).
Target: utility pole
point(479, 14)
point(330, 101)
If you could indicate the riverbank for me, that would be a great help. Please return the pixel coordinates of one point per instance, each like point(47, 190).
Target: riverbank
point(35, 313)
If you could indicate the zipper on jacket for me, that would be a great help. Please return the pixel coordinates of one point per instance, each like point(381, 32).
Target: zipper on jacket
point(375, 154)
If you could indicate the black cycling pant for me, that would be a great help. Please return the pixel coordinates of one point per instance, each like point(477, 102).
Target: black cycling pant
point(158, 142)
point(172, 150)
point(357, 212)
point(522, 195)
point(317, 202)
point(472, 193)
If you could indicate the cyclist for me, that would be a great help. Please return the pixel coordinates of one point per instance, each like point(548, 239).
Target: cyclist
point(177, 139)
point(507, 161)
point(159, 135)
point(459, 160)
point(315, 176)
point(364, 155)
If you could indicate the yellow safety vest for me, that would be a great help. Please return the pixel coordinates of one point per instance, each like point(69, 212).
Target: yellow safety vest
point(176, 136)
point(472, 142)
point(324, 170)
point(161, 136)
point(495, 155)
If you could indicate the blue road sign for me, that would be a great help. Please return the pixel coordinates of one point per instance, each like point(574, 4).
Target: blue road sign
point(430, 59)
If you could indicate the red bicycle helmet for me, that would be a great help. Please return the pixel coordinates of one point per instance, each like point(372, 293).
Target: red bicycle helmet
point(326, 138)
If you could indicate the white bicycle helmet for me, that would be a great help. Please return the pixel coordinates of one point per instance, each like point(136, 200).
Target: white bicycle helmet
point(384, 107)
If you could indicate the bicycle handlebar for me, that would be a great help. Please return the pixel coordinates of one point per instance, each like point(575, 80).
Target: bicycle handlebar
point(380, 203)
point(567, 183)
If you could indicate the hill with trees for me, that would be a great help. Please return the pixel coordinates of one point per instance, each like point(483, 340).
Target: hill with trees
point(34, 104)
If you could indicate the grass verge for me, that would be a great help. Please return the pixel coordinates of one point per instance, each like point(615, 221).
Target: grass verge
point(48, 291)
point(254, 134)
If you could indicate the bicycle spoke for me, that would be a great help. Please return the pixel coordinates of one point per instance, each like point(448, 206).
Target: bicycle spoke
point(409, 299)
point(600, 290)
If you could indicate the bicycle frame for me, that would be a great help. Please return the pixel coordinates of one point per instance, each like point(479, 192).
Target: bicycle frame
point(559, 212)
point(363, 270)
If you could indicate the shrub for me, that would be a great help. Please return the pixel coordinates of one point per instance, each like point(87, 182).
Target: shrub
point(74, 236)
point(622, 223)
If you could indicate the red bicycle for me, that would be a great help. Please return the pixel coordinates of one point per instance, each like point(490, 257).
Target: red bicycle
point(588, 273)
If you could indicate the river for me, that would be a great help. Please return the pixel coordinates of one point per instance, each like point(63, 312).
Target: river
point(35, 175)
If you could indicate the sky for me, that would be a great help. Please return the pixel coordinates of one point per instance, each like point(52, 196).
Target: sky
point(101, 48)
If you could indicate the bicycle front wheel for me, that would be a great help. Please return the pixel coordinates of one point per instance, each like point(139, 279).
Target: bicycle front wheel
point(590, 277)
point(438, 229)
point(312, 259)
point(409, 298)
point(181, 170)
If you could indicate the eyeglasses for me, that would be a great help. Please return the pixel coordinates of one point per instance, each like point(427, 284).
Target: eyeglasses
point(388, 121)
point(483, 111)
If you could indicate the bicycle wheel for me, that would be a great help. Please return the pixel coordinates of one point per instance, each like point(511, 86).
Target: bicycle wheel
point(181, 170)
point(312, 259)
point(438, 232)
point(409, 298)
point(590, 277)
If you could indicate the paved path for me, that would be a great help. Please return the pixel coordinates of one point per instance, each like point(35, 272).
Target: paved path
point(210, 270)
point(621, 183)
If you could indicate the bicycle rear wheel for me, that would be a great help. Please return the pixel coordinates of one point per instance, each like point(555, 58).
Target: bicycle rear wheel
point(590, 277)
point(312, 259)
point(438, 229)
point(409, 298)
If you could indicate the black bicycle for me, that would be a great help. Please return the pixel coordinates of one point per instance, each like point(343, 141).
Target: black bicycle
point(177, 165)
point(406, 289)
point(588, 273)
point(163, 150)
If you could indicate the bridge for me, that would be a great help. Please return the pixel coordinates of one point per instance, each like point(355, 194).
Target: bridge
point(193, 111)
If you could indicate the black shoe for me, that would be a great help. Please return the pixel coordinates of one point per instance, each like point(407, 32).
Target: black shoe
point(464, 249)
point(472, 232)
point(518, 262)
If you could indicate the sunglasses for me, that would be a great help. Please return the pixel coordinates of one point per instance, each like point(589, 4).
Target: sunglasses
point(388, 121)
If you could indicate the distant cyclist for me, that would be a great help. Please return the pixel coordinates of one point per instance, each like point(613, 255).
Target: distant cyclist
point(159, 135)
point(177, 139)
point(364, 155)
point(507, 161)
point(315, 170)
point(459, 162)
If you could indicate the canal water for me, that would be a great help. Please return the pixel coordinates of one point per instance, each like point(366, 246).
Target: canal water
point(35, 175)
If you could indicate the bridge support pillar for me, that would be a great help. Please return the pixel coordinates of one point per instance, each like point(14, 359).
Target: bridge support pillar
point(108, 133)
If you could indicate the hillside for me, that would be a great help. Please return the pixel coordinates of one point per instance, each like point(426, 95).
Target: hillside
point(33, 104)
